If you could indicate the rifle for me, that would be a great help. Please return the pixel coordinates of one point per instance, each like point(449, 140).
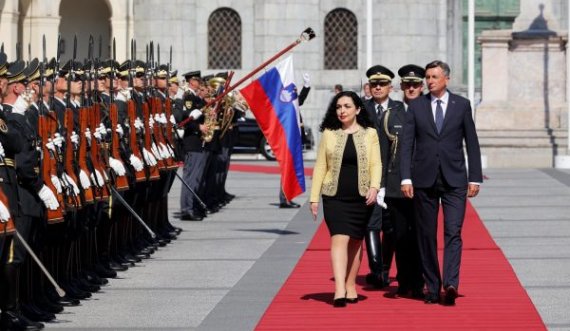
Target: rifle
point(140, 176)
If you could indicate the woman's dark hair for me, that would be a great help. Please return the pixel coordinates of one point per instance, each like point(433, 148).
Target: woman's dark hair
point(331, 120)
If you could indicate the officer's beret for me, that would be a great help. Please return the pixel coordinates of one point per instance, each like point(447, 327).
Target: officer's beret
point(379, 73)
point(412, 73)
point(192, 74)
point(3, 68)
point(15, 72)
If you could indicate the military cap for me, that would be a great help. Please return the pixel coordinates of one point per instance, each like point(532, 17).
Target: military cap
point(49, 69)
point(77, 68)
point(192, 74)
point(15, 73)
point(412, 73)
point(3, 68)
point(173, 77)
point(207, 78)
point(108, 66)
point(32, 71)
point(379, 73)
point(223, 75)
point(161, 71)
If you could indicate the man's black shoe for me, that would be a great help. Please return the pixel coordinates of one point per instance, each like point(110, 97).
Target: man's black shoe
point(375, 280)
point(190, 217)
point(450, 295)
point(431, 298)
point(289, 204)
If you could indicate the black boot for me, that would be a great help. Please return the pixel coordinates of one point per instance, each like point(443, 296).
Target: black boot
point(373, 250)
point(11, 318)
point(388, 249)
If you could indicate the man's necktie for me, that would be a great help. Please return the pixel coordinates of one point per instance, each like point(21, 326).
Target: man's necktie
point(438, 116)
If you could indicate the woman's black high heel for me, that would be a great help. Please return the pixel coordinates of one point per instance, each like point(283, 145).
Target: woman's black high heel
point(340, 302)
point(352, 300)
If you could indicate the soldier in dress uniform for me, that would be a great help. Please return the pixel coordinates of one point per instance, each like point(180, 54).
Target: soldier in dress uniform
point(380, 81)
point(13, 143)
point(195, 159)
point(400, 209)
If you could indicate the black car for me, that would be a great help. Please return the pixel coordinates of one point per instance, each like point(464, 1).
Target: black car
point(251, 140)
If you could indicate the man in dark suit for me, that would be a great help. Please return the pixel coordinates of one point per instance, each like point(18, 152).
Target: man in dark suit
point(379, 254)
point(437, 124)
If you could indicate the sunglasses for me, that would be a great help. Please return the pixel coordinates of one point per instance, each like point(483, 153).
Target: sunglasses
point(382, 84)
point(412, 84)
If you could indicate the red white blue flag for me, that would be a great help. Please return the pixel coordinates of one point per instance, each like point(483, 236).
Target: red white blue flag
point(273, 100)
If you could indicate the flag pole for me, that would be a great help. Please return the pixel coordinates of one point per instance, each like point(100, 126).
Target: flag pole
point(307, 35)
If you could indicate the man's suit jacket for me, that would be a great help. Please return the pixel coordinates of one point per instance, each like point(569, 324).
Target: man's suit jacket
point(424, 151)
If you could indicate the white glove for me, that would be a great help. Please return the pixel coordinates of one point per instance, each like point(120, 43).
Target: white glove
point(380, 198)
point(102, 129)
point(150, 122)
point(196, 113)
point(117, 166)
point(164, 153)
point(180, 133)
point(56, 183)
point(162, 119)
point(170, 151)
point(155, 152)
point(120, 130)
point(306, 80)
point(71, 182)
point(2, 153)
point(84, 180)
point(97, 179)
point(172, 119)
point(48, 198)
point(149, 158)
point(57, 140)
point(4, 213)
point(74, 138)
point(50, 145)
point(138, 124)
point(97, 134)
point(88, 135)
point(136, 163)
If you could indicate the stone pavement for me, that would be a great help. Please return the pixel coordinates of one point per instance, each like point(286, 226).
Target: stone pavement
point(223, 272)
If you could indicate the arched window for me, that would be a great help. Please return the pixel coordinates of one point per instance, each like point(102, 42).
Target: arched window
point(224, 39)
point(341, 40)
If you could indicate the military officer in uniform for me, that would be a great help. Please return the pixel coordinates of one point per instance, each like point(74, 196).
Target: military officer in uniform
point(401, 210)
point(379, 255)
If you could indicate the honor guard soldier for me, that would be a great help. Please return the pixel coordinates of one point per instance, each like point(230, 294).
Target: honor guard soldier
point(411, 82)
point(379, 255)
point(12, 144)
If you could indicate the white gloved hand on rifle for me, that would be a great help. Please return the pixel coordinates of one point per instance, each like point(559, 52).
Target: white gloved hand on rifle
point(117, 166)
point(97, 179)
point(149, 158)
point(49, 199)
point(84, 179)
point(163, 151)
point(88, 135)
point(163, 119)
point(380, 198)
point(57, 140)
point(4, 213)
point(120, 130)
point(2, 153)
point(155, 152)
point(56, 183)
point(74, 138)
point(139, 124)
point(102, 129)
point(136, 163)
point(71, 182)
point(172, 119)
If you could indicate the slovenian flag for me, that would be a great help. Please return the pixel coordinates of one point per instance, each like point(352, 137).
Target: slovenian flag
point(273, 100)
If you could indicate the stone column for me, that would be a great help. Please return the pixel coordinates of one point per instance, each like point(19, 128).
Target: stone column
point(122, 27)
point(9, 26)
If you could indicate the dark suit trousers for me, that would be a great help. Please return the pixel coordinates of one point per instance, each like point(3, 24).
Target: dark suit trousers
point(427, 202)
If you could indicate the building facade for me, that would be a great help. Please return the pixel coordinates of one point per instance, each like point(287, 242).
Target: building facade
point(219, 35)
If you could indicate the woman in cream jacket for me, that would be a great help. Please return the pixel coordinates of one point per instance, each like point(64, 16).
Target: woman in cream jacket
point(347, 174)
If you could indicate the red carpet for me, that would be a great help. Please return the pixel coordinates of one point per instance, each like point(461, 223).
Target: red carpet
point(264, 169)
point(491, 296)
